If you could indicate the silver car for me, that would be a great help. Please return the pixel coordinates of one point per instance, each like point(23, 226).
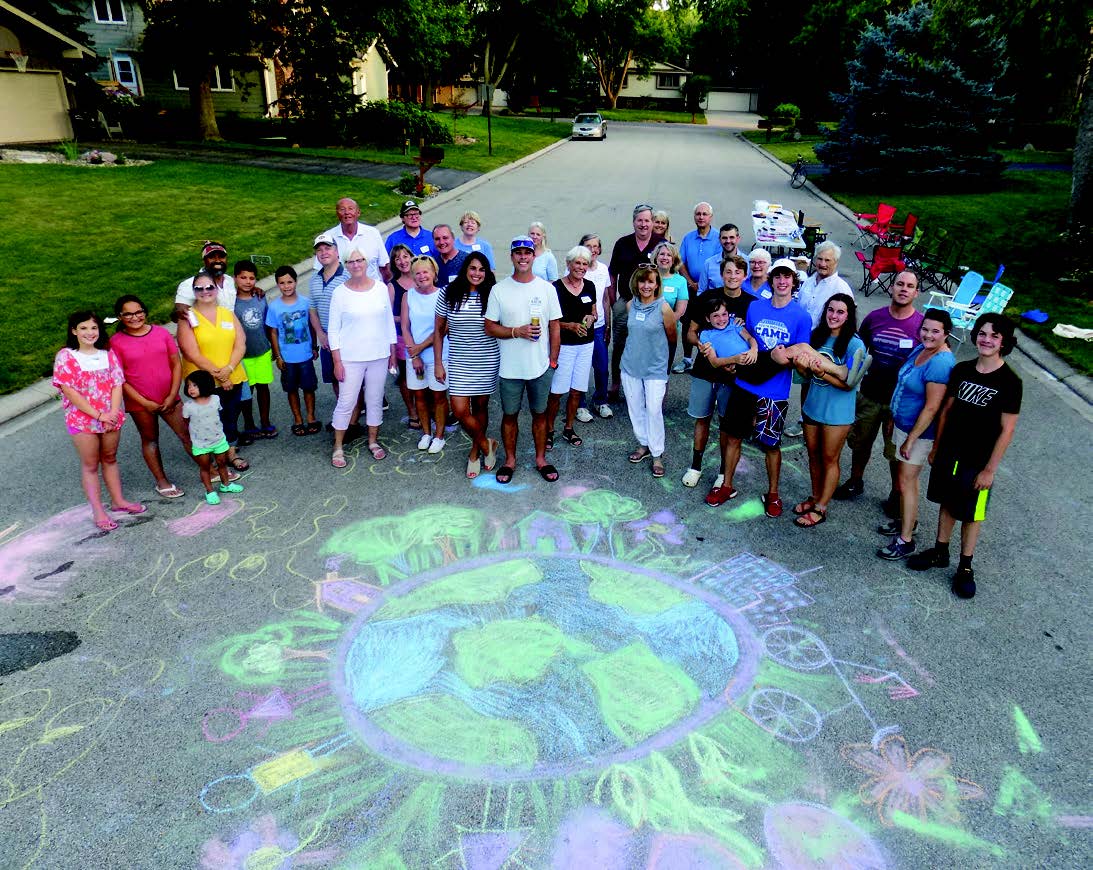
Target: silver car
point(589, 125)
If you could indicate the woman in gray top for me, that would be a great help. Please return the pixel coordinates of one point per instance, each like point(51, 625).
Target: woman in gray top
point(651, 328)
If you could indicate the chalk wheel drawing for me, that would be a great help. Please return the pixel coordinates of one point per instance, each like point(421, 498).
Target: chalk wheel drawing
point(796, 648)
point(785, 715)
point(523, 667)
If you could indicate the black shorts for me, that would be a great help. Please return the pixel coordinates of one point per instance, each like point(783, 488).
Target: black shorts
point(952, 485)
point(299, 376)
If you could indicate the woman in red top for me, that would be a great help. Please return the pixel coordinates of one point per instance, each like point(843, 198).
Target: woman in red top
point(90, 380)
point(153, 371)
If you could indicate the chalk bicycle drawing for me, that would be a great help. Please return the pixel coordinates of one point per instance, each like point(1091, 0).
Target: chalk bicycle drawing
point(795, 719)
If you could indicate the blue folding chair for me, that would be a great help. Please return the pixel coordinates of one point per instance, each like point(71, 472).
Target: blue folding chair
point(962, 298)
point(964, 317)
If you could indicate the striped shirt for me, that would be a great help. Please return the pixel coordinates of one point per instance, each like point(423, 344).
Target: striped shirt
point(473, 356)
point(321, 292)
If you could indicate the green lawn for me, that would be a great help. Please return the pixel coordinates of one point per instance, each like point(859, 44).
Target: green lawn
point(1017, 225)
point(513, 138)
point(651, 115)
point(139, 230)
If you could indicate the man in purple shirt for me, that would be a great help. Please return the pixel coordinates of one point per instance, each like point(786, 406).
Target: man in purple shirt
point(890, 334)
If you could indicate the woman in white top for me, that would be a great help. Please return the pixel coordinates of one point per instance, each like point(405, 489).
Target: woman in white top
point(418, 324)
point(362, 343)
point(544, 265)
point(597, 273)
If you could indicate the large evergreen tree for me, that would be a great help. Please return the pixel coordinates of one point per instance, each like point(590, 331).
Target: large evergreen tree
point(919, 106)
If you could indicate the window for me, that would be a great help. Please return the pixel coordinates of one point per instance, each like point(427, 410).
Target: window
point(222, 80)
point(667, 81)
point(125, 71)
point(109, 12)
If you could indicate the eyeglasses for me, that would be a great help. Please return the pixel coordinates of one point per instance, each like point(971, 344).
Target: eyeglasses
point(131, 314)
point(205, 288)
point(355, 261)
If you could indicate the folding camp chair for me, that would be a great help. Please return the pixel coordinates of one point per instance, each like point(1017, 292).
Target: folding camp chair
point(961, 299)
point(887, 261)
point(995, 303)
point(901, 234)
point(873, 227)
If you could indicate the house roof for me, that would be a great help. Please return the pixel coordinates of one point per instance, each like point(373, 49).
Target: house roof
point(56, 34)
point(662, 66)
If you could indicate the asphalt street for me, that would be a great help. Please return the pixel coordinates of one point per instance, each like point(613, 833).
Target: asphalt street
point(391, 666)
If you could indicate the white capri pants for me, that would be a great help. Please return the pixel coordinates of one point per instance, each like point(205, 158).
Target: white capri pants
point(373, 375)
point(645, 405)
point(574, 367)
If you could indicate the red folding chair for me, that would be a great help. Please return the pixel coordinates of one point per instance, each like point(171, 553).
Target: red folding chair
point(901, 234)
point(874, 227)
point(887, 261)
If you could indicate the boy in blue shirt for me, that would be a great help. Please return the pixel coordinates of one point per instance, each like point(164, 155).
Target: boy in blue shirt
point(294, 349)
point(250, 308)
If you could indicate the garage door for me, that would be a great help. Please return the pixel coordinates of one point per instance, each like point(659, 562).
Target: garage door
point(33, 107)
point(728, 101)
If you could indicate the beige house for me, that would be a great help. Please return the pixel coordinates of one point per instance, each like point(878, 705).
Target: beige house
point(663, 83)
point(33, 97)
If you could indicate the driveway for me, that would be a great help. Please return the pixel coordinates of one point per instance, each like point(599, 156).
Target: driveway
point(392, 666)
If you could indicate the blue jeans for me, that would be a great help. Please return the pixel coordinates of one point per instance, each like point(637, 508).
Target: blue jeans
point(600, 363)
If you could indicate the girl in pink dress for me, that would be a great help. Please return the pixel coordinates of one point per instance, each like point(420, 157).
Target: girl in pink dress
point(90, 380)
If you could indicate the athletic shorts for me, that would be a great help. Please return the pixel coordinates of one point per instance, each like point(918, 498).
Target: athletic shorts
point(299, 376)
point(538, 390)
point(762, 420)
point(259, 369)
point(952, 485)
point(220, 447)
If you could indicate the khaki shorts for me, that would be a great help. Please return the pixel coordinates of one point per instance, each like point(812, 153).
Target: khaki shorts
point(869, 419)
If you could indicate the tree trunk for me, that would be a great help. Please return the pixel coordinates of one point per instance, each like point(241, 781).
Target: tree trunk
point(492, 75)
point(1081, 190)
point(201, 102)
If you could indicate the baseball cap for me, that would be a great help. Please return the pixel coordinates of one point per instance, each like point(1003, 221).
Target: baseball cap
point(783, 263)
point(409, 205)
point(522, 242)
point(324, 239)
point(213, 248)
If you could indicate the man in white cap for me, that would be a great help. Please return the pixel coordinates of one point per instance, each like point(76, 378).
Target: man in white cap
point(214, 257)
point(519, 308)
point(411, 233)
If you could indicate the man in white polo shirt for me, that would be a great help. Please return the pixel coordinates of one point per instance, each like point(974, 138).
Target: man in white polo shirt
point(519, 308)
point(349, 234)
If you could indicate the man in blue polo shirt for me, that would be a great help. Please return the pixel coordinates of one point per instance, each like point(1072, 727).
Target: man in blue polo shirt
point(411, 234)
point(698, 246)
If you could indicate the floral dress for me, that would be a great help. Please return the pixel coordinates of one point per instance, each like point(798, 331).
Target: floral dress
point(93, 376)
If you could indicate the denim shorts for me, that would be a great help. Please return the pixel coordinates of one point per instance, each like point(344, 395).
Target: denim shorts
point(538, 390)
point(704, 396)
point(299, 376)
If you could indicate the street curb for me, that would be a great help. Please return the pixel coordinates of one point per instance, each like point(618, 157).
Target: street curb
point(1079, 384)
point(41, 393)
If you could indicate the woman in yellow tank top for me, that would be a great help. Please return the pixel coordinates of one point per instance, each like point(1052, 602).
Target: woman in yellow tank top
point(212, 339)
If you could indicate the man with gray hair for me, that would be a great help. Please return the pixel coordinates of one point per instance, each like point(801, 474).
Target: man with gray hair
point(698, 246)
point(349, 233)
point(629, 251)
point(823, 283)
point(449, 258)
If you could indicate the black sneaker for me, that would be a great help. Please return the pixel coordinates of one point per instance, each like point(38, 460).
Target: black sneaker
point(934, 557)
point(964, 583)
point(894, 527)
point(896, 549)
point(850, 490)
point(891, 506)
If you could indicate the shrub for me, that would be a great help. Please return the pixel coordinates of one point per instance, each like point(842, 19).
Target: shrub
point(407, 183)
point(789, 111)
point(388, 123)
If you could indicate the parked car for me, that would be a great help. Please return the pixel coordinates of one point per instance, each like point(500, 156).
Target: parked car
point(589, 125)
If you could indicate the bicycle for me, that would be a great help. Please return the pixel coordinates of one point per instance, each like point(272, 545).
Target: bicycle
point(800, 174)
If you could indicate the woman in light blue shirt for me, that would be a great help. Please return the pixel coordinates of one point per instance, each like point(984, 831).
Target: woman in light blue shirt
point(666, 259)
point(544, 265)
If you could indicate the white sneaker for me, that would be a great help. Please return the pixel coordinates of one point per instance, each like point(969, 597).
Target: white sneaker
point(684, 365)
point(605, 411)
point(424, 441)
point(794, 430)
point(436, 446)
point(584, 415)
point(692, 477)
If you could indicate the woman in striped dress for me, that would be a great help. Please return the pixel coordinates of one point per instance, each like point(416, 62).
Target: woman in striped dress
point(473, 356)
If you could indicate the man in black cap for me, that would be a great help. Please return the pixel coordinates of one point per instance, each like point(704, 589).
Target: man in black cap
point(418, 240)
point(214, 257)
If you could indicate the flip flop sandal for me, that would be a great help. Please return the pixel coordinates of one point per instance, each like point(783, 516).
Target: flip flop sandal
point(491, 456)
point(805, 521)
point(415, 425)
point(170, 491)
point(299, 429)
point(474, 468)
point(550, 441)
point(268, 432)
point(338, 459)
point(805, 507)
point(548, 473)
point(505, 473)
point(377, 451)
point(314, 427)
point(639, 455)
point(106, 525)
point(137, 508)
point(239, 464)
point(572, 437)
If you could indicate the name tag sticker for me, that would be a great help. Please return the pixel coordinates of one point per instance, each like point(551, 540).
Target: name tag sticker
point(586, 299)
point(227, 324)
point(906, 343)
point(424, 249)
point(640, 317)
